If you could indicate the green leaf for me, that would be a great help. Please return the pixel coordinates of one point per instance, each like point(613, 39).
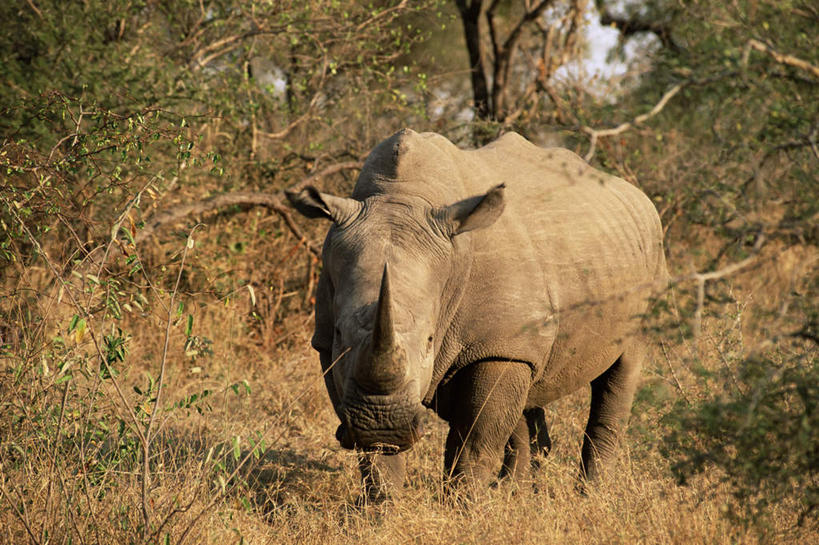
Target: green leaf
point(127, 233)
point(80, 330)
point(237, 451)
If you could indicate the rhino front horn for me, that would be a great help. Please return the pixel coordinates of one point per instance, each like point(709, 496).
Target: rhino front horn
point(385, 369)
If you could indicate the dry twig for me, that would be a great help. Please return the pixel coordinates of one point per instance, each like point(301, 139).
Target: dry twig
point(623, 127)
point(702, 278)
point(781, 58)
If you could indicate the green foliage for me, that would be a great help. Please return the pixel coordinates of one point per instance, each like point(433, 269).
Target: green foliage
point(253, 71)
point(762, 436)
point(68, 413)
point(744, 128)
point(109, 111)
point(732, 161)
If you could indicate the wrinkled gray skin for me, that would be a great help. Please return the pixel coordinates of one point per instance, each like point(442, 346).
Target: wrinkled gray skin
point(483, 284)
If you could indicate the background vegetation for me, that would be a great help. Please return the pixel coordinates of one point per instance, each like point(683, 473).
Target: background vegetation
point(155, 294)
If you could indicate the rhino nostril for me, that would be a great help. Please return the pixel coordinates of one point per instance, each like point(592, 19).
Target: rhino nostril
point(344, 438)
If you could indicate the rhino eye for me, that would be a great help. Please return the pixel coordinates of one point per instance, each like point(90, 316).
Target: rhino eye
point(429, 339)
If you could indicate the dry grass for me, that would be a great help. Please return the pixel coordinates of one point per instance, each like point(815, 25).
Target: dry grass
point(302, 488)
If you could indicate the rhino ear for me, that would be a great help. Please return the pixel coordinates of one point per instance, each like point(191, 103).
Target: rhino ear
point(475, 212)
point(314, 204)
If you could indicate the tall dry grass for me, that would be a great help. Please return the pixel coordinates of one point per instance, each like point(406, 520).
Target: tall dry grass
point(255, 461)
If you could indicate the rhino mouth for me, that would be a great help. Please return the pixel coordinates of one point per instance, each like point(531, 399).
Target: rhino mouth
point(360, 431)
point(347, 441)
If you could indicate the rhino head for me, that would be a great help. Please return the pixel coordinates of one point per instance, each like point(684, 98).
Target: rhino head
point(389, 262)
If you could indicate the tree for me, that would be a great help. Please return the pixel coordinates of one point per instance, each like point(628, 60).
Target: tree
point(546, 33)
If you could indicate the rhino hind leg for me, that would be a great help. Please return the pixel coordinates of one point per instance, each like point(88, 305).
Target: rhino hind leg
point(487, 408)
point(529, 441)
point(539, 441)
point(611, 397)
point(517, 452)
point(382, 475)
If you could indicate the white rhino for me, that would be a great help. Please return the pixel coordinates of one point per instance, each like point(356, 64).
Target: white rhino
point(483, 284)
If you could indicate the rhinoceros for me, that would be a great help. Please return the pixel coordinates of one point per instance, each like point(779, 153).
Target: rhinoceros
point(483, 284)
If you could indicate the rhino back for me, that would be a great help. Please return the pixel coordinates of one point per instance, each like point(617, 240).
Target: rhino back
point(563, 277)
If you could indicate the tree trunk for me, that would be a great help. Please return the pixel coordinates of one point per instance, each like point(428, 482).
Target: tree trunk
point(470, 17)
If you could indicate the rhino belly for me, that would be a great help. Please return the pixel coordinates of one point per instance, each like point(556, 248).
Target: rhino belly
point(586, 344)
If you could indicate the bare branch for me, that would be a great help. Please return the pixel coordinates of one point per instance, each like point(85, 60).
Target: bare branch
point(812, 140)
point(22, 516)
point(623, 127)
point(490, 19)
point(274, 201)
point(146, 445)
point(35, 8)
point(530, 16)
point(201, 63)
point(674, 374)
point(702, 278)
point(781, 58)
point(633, 25)
point(202, 56)
point(308, 114)
point(470, 18)
point(504, 54)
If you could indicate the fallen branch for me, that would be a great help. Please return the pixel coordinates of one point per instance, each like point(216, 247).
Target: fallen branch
point(267, 200)
point(273, 201)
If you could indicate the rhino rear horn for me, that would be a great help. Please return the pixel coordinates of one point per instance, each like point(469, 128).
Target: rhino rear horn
point(386, 368)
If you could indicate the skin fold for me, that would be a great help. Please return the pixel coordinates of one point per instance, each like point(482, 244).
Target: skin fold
point(483, 284)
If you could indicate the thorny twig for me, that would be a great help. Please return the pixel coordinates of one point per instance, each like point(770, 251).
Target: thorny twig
point(146, 445)
point(84, 312)
point(702, 278)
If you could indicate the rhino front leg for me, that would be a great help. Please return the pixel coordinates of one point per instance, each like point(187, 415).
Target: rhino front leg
point(486, 409)
point(382, 475)
point(611, 397)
